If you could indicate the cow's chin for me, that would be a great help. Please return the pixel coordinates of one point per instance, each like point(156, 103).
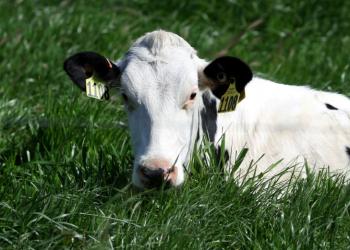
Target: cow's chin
point(145, 186)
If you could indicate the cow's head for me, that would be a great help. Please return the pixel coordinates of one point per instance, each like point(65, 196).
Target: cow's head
point(161, 80)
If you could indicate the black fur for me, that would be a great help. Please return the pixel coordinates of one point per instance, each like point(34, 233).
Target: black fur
point(330, 107)
point(218, 157)
point(80, 66)
point(347, 150)
point(232, 67)
point(198, 135)
point(220, 90)
point(209, 116)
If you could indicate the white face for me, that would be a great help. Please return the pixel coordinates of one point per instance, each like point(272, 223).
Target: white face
point(163, 115)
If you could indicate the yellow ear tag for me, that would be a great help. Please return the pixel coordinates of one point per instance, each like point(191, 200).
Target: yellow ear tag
point(96, 88)
point(231, 98)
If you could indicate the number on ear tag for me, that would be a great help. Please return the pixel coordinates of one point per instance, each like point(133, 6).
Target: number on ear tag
point(97, 89)
point(231, 98)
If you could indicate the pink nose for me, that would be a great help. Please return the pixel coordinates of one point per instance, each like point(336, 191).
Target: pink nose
point(154, 173)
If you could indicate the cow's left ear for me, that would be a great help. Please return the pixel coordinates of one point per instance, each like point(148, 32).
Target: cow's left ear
point(220, 71)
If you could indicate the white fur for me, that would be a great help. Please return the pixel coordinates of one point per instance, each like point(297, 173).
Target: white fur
point(159, 74)
point(290, 123)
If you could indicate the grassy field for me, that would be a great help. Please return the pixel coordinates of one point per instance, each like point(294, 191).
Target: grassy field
point(66, 160)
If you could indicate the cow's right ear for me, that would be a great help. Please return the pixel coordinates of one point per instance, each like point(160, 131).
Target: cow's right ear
point(82, 65)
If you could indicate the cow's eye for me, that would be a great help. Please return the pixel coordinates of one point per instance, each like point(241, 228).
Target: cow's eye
point(193, 95)
point(124, 96)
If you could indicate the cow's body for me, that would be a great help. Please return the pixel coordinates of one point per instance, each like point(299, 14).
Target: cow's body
point(171, 98)
point(292, 123)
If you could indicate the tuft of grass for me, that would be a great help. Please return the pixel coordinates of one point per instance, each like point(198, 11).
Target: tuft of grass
point(66, 160)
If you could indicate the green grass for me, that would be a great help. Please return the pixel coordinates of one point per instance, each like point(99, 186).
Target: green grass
point(66, 160)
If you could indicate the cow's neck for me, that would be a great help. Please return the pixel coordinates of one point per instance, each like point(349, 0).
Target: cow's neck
point(208, 117)
point(205, 122)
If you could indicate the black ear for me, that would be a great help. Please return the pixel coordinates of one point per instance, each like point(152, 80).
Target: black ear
point(80, 66)
point(222, 69)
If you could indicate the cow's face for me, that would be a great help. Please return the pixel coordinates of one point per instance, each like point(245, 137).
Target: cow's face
point(161, 80)
point(161, 101)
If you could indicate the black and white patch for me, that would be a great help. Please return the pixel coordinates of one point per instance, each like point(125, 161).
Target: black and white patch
point(209, 117)
point(218, 157)
point(347, 150)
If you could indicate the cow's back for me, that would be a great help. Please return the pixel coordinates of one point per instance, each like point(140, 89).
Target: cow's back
point(292, 123)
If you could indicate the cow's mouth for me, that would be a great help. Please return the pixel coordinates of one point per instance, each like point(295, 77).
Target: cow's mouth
point(157, 185)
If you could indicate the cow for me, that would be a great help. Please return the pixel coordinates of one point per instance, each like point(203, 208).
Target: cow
point(172, 97)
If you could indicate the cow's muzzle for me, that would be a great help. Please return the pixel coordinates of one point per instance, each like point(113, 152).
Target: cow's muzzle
point(155, 174)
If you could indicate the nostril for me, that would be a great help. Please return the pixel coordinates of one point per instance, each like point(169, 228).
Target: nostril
point(152, 174)
point(155, 174)
point(145, 171)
